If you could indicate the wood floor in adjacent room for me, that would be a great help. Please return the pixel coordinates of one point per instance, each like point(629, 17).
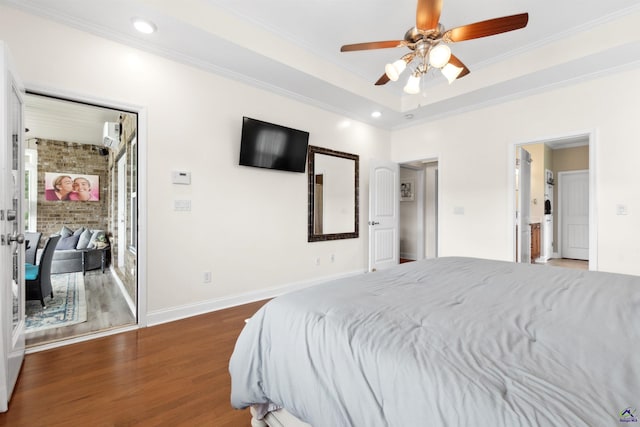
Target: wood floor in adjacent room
point(569, 263)
point(106, 309)
point(175, 374)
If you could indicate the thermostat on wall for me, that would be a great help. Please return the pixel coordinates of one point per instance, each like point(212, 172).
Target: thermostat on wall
point(181, 177)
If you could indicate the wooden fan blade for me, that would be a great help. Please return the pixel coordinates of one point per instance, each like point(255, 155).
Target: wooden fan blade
point(428, 14)
point(453, 60)
point(486, 28)
point(372, 45)
point(384, 79)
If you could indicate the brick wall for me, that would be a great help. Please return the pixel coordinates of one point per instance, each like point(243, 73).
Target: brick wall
point(73, 158)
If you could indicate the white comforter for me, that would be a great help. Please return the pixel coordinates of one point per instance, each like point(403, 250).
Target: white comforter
point(448, 342)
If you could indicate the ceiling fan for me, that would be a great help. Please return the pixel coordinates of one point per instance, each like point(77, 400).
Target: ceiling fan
point(428, 44)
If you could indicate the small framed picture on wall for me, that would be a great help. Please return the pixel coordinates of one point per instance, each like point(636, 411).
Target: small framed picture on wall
point(407, 188)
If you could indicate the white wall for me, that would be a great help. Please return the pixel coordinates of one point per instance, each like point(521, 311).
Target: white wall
point(248, 226)
point(475, 166)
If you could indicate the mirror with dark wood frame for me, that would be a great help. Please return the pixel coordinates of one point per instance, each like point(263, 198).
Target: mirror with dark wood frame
point(333, 195)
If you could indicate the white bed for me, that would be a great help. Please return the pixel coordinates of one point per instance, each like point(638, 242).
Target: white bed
point(452, 341)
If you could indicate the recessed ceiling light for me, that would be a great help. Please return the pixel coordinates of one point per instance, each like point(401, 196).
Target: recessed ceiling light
point(144, 26)
point(408, 116)
point(376, 114)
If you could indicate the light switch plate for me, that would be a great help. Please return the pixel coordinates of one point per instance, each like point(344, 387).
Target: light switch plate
point(182, 205)
point(622, 210)
point(181, 177)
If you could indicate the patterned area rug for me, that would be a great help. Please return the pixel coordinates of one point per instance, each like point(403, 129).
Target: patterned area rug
point(67, 307)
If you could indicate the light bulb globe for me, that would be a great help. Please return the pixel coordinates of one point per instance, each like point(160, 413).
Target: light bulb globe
point(439, 55)
point(394, 70)
point(451, 72)
point(413, 85)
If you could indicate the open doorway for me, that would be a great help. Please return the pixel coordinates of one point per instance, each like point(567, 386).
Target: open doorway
point(555, 221)
point(418, 210)
point(79, 141)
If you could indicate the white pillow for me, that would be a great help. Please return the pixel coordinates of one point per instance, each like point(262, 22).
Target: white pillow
point(85, 237)
point(95, 238)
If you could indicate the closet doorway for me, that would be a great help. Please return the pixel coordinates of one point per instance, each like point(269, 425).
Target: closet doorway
point(419, 210)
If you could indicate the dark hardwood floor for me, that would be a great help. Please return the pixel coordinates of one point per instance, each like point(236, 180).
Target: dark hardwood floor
point(175, 374)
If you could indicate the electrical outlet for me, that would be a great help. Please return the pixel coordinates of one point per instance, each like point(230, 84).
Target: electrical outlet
point(206, 277)
point(318, 260)
point(333, 257)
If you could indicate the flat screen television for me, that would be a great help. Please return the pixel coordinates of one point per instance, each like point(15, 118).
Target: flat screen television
point(271, 146)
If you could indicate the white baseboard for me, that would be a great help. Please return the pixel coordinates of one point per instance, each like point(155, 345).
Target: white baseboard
point(171, 314)
point(80, 338)
point(408, 255)
point(543, 259)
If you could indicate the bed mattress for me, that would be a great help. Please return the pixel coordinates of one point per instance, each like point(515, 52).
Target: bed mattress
point(448, 342)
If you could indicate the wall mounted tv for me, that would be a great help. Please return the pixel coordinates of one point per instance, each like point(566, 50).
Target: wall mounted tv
point(271, 146)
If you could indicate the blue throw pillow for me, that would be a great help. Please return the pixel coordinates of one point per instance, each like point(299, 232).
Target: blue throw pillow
point(30, 271)
point(65, 232)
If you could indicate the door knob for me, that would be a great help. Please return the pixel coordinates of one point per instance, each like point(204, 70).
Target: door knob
point(15, 237)
point(373, 223)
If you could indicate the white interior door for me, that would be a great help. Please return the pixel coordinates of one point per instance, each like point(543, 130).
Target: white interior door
point(12, 297)
point(574, 214)
point(384, 215)
point(524, 207)
point(122, 209)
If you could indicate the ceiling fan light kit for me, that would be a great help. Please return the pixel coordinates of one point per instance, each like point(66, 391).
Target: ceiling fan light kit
point(394, 70)
point(439, 55)
point(428, 41)
point(451, 72)
point(413, 84)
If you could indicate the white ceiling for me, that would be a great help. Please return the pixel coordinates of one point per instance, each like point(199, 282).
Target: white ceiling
point(59, 120)
point(292, 47)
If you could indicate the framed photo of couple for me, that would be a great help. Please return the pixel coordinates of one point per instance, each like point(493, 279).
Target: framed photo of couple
point(71, 187)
